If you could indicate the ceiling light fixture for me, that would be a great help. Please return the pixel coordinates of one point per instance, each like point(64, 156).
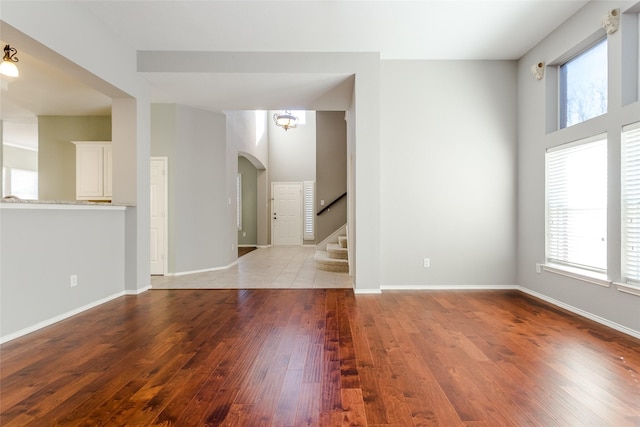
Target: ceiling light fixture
point(285, 120)
point(8, 66)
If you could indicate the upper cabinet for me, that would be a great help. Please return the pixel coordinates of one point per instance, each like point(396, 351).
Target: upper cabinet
point(93, 170)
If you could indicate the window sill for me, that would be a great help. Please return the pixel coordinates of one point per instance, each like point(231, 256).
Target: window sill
point(628, 288)
point(578, 274)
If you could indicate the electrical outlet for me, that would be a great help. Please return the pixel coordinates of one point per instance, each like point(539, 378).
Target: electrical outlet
point(244, 234)
point(73, 280)
point(538, 268)
point(426, 263)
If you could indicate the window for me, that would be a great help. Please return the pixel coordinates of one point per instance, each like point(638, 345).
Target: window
point(576, 204)
point(308, 210)
point(631, 203)
point(301, 115)
point(21, 183)
point(583, 85)
point(239, 201)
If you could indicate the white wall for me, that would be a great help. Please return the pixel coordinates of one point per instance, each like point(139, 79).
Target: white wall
point(606, 304)
point(249, 133)
point(448, 136)
point(292, 153)
point(42, 246)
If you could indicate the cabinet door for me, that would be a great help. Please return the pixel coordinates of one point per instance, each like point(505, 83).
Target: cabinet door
point(108, 167)
point(89, 171)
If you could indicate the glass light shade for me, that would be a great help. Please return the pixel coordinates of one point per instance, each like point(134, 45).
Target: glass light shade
point(285, 120)
point(9, 68)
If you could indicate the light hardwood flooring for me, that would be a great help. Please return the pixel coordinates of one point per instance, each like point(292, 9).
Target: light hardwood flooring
point(265, 268)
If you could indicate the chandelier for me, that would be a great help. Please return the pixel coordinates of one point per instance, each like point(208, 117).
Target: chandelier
point(8, 66)
point(285, 120)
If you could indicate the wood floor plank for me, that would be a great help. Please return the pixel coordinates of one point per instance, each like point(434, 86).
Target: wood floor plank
point(322, 358)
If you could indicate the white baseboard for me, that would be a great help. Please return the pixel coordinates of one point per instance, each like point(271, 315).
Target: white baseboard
point(58, 318)
point(448, 287)
point(206, 270)
point(366, 291)
point(138, 291)
point(247, 246)
point(580, 312)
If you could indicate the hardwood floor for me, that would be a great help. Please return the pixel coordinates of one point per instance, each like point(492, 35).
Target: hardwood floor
point(243, 250)
point(311, 357)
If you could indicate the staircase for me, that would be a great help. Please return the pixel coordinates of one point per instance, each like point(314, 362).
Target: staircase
point(335, 258)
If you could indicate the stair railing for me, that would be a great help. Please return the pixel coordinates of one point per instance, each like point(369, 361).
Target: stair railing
point(332, 203)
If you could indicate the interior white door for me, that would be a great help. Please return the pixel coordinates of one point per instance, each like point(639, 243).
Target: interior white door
point(157, 235)
point(286, 215)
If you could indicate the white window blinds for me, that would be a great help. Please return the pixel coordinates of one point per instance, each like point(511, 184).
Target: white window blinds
point(309, 187)
point(631, 203)
point(576, 204)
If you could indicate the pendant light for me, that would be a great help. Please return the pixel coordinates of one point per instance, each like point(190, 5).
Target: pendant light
point(8, 66)
point(285, 120)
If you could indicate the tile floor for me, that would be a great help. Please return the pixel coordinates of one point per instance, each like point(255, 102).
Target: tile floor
point(264, 268)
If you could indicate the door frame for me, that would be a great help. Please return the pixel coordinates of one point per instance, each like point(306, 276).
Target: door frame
point(301, 210)
point(165, 222)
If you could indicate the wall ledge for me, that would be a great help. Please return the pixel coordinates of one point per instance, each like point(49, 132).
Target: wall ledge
point(60, 205)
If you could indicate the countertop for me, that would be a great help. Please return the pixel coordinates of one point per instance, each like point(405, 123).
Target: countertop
point(11, 203)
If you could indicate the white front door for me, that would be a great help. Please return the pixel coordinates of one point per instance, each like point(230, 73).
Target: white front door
point(158, 221)
point(286, 214)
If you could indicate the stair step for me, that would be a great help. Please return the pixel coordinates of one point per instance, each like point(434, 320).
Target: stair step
point(335, 251)
point(342, 241)
point(323, 262)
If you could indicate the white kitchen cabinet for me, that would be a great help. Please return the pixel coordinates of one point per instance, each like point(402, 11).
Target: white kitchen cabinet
point(93, 170)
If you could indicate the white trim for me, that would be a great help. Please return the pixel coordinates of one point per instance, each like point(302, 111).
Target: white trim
point(366, 291)
point(263, 246)
point(56, 319)
point(582, 313)
point(578, 142)
point(332, 238)
point(448, 287)
point(248, 246)
point(628, 288)
point(631, 126)
point(138, 291)
point(582, 275)
point(204, 270)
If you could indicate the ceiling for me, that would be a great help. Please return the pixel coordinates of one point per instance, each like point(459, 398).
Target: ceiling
point(398, 30)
